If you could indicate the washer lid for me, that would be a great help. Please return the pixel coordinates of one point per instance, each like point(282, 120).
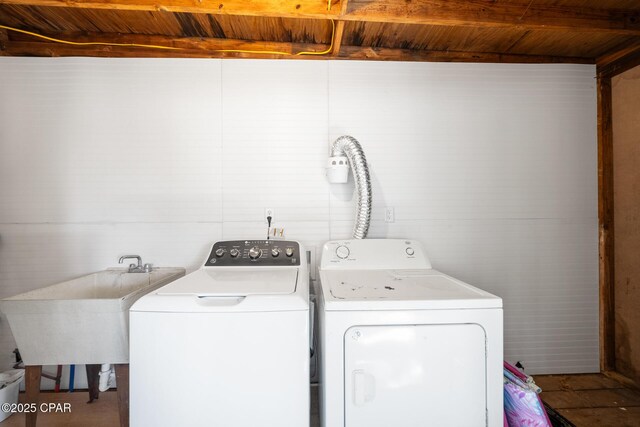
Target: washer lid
point(234, 282)
point(400, 290)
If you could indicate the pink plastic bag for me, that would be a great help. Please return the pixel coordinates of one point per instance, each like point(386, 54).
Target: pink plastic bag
point(522, 405)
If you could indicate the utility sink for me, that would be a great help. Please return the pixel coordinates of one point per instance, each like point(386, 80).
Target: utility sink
point(81, 321)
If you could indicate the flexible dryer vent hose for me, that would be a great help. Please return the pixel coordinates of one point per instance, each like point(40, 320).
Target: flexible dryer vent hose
point(350, 147)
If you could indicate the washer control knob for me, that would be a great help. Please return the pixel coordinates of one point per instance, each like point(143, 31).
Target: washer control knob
point(288, 252)
point(234, 252)
point(275, 252)
point(410, 251)
point(220, 252)
point(342, 252)
point(255, 252)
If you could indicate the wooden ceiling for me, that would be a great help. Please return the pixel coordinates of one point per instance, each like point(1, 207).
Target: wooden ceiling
point(573, 31)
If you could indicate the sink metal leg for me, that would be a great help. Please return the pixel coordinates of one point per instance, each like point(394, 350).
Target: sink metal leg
point(32, 391)
point(93, 381)
point(122, 381)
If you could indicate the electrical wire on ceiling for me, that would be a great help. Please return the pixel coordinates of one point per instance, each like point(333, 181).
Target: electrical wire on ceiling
point(53, 39)
point(153, 46)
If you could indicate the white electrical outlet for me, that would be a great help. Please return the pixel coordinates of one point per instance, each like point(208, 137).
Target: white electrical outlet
point(268, 212)
point(389, 214)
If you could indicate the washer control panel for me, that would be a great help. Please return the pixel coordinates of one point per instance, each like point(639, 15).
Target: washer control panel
point(242, 253)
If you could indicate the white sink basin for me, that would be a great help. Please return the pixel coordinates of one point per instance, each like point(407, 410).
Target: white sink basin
point(82, 321)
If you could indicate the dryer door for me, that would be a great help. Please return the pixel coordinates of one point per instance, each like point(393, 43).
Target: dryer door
point(415, 375)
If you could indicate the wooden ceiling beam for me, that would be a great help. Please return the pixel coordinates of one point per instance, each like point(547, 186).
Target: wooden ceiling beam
point(48, 49)
point(619, 65)
point(267, 8)
point(21, 44)
point(625, 49)
point(339, 30)
point(619, 59)
point(476, 13)
point(24, 45)
point(337, 38)
point(486, 13)
point(4, 38)
point(385, 54)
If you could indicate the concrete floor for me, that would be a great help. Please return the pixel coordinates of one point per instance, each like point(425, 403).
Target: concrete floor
point(101, 413)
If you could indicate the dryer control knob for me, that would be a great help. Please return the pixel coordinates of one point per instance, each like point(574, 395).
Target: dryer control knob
point(219, 252)
point(234, 252)
point(255, 252)
point(275, 252)
point(342, 252)
point(288, 252)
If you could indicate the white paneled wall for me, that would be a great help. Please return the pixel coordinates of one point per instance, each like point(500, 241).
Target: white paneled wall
point(492, 167)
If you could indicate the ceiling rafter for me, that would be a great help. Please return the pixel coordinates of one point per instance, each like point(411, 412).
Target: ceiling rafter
point(178, 46)
point(4, 38)
point(477, 13)
point(620, 65)
point(619, 52)
point(21, 45)
point(339, 32)
point(266, 8)
point(619, 59)
point(483, 13)
point(387, 54)
point(337, 38)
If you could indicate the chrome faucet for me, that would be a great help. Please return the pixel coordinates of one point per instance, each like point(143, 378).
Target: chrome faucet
point(133, 268)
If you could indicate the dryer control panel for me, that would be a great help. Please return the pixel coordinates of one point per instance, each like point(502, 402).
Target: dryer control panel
point(242, 253)
point(374, 254)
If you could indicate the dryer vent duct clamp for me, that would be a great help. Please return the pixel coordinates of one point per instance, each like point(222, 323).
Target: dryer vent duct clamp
point(346, 151)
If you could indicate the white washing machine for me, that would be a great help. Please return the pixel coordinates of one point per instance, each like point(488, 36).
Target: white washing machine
point(402, 344)
point(227, 345)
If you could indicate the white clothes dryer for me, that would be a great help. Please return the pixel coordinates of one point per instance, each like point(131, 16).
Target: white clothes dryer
point(402, 344)
point(227, 345)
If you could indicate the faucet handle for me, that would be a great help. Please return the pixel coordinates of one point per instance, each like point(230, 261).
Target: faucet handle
point(138, 257)
point(133, 268)
point(148, 268)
